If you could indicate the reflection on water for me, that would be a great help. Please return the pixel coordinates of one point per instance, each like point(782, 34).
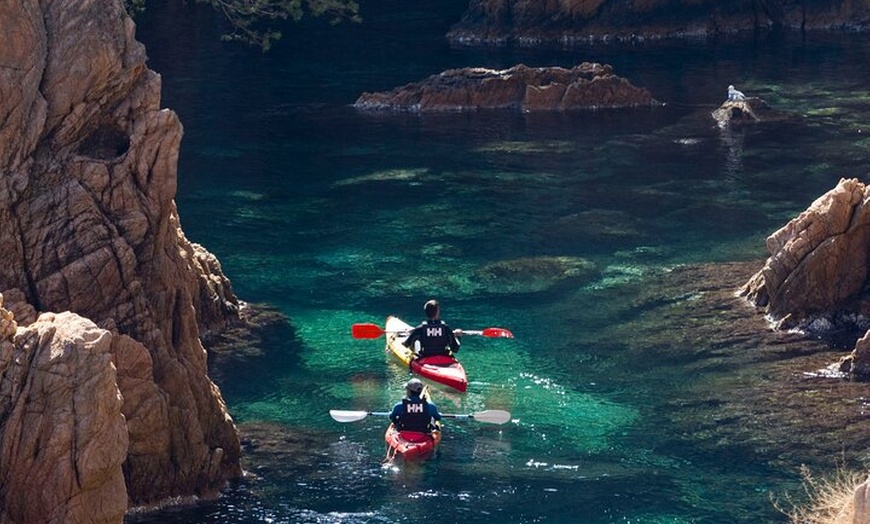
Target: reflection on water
point(732, 140)
point(556, 226)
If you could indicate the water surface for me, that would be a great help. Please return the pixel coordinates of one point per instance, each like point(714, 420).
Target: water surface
point(337, 217)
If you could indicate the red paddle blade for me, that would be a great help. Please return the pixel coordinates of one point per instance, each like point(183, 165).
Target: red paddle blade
point(366, 331)
point(495, 332)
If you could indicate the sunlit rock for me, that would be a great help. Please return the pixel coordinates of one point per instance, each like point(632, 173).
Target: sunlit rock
point(818, 259)
point(64, 437)
point(817, 269)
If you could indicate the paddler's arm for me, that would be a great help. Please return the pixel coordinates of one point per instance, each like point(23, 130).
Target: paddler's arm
point(453, 340)
point(433, 412)
point(396, 413)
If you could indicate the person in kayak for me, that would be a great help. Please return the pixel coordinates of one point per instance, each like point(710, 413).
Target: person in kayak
point(414, 412)
point(433, 336)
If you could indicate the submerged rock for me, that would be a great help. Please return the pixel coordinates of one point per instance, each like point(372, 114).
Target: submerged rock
point(533, 274)
point(586, 86)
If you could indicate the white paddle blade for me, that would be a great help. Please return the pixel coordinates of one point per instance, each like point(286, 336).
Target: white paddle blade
point(492, 416)
point(347, 416)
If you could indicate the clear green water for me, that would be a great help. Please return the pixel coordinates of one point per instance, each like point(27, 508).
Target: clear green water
point(336, 217)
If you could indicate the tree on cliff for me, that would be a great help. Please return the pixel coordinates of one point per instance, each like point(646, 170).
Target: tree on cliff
point(254, 21)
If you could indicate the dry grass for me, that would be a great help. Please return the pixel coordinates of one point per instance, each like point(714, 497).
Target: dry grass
point(828, 500)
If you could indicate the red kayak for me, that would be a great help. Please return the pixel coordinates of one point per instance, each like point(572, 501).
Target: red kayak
point(441, 368)
point(412, 445)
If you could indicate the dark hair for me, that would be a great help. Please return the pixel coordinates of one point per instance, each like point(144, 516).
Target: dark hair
point(431, 308)
point(414, 386)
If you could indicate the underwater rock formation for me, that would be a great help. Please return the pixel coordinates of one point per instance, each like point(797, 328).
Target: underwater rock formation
point(88, 167)
point(571, 22)
point(585, 86)
point(534, 274)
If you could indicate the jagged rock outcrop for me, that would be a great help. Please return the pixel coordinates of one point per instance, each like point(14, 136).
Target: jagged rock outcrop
point(88, 167)
point(571, 22)
point(819, 259)
point(817, 269)
point(585, 86)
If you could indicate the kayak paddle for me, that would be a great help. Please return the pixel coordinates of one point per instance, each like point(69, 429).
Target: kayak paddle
point(375, 331)
point(490, 416)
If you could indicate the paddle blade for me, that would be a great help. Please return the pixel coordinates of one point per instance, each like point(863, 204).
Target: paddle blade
point(492, 416)
point(366, 331)
point(495, 332)
point(347, 416)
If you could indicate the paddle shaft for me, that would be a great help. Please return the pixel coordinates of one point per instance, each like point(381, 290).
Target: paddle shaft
point(375, 331)
point(492, 416)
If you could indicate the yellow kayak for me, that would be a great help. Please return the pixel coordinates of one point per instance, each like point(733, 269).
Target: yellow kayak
point(441, 368)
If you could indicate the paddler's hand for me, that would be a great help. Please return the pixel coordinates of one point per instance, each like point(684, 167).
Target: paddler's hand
point(457, 332)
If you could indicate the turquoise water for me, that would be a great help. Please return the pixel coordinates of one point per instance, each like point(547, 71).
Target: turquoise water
point(549, 225)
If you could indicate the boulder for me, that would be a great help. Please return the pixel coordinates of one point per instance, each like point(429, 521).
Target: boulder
point(522, 88)
point(816, 275)
point(819, 259)
point(64, 437)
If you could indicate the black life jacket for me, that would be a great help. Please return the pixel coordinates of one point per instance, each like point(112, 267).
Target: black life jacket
point(415, 416)
point(434, 337)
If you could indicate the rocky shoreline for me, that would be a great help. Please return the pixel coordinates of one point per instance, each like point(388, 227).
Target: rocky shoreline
point(528, 23)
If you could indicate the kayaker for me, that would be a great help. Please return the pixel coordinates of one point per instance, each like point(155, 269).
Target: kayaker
point(414, 412)
point(434, 335)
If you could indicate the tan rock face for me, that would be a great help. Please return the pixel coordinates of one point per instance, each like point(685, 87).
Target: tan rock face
point(64, 438)
point(819, 259)
point(88, 167)
point(818, 265)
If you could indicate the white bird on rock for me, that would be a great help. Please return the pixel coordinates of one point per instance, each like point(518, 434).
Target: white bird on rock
point(734, 94)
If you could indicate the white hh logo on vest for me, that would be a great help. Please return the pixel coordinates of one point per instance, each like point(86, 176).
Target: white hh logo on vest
point(415, 408)
point(433, 332)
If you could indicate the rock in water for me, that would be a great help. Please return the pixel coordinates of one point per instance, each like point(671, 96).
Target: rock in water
point(586, 86)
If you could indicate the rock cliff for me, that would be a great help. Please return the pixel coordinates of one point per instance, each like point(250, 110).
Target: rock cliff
point(88, 164)
point(532, 22)
point(585, 86)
